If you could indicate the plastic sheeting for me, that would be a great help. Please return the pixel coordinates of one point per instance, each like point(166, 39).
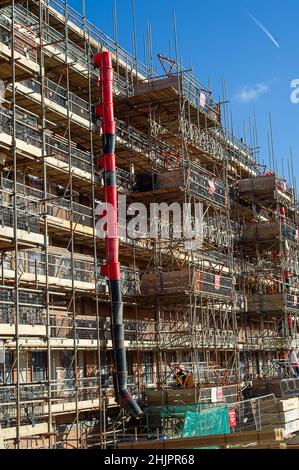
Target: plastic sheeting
point(206, 423)
point(170, 419)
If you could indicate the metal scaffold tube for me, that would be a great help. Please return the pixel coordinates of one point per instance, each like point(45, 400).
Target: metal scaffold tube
point(111, 269)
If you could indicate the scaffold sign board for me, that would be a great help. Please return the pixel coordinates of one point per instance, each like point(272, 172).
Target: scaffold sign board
point(232, 416)
point(216, 394)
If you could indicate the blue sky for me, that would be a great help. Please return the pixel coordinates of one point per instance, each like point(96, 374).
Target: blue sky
point(221, 40)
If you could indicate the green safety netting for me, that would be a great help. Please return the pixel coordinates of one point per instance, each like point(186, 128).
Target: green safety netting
point(173, 420)
point(206, 423)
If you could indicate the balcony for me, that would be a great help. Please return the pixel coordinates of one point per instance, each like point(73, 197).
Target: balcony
point(25, 51)
point(32, 270)
point(28, 138)
point(29, 142)
point(58, 101)
point(34, 405)
point(95, 34)
point(28, 228)
point(58, 153)
point(57, 207)
point(31, 312)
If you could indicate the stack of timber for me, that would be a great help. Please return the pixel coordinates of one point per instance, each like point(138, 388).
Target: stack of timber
point(263, 189)
point(266, 303)
point(283, 414)
point(170, 282)
point(239, 439)
point(184, 281)
point(261, 232)
point(269, 232)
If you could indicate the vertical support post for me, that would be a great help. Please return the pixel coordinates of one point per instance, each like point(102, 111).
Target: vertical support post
point(72, 242)
point(44, 170)
point(15, 225)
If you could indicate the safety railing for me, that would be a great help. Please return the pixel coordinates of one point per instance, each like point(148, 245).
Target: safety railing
point(192, 88)
point(26, 31)
point(266, 342)
point(135, 382)
point(282, 368)
point(135, 331)
point(203, 338)
point(25, 126)
point(163, 154)
point(131, 135)
point(216, 231)
point(27, 315)
point(25, 28)
point(203, 373)
point(292, 301)
point(34, 398)
point(59, 95)
point(26, 296)
point(206, 141)
point(58, 148)
point(209, 188)
point(65, 327)
point(193, 92)
point(130, 280)
point(200, 97)
point(56, 206)
point(30, 304)
point(60, 389)
point(30, 414)
point(215, 284)
point(248, 413)
point(58, 266)
point(67, 390)
point(97, 35)
point(199, 281)
point(22, 190)
point(237, 149)
point(25, 221)
point(290, 231)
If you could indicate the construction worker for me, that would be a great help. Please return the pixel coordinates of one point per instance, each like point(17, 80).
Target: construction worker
point(184, 378)
point(180, 377)
point(294, 361)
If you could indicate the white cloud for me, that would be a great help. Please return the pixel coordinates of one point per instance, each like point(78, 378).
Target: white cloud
point(245, 94)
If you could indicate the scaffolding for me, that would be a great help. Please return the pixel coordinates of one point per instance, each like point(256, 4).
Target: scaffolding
point(222, 309)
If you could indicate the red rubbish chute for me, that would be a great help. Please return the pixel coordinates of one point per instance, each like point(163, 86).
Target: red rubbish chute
point(111, 269)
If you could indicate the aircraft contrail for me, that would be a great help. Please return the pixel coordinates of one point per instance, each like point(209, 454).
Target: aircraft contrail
point(262, 27)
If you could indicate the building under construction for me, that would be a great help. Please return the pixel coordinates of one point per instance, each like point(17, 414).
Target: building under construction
point(202, 325)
